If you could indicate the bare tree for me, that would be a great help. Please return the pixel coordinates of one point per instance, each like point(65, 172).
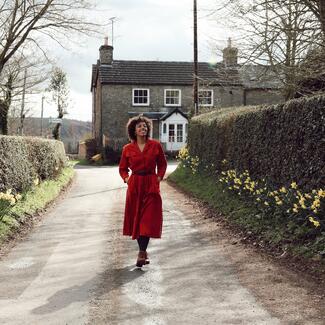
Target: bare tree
point(275, 33)
point(24, 21)
point(317, 7)
point(12, 84)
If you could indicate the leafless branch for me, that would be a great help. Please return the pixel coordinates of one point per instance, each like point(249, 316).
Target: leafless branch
point(23, 20)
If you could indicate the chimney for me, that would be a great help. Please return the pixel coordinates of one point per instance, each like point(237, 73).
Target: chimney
point(230, 54)
point(106, 53)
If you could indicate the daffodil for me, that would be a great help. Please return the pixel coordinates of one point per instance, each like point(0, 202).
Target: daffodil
point(294, 185)
point(321, 193)
point(315, 222)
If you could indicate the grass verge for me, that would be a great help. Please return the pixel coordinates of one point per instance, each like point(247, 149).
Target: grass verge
point(34, 200)
point(270, 232)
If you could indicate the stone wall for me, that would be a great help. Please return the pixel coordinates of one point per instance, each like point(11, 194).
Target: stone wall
point(97, 113)
point(262, 96)
point(117, 102)
point(113, 102)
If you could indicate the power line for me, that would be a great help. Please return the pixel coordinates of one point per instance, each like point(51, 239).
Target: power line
point(195, 81)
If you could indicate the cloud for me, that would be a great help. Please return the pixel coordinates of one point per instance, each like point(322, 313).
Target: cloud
point(144, 30)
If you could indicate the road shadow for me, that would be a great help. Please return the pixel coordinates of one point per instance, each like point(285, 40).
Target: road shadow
point(109, 280)
point(77, 166)
point(98, 192)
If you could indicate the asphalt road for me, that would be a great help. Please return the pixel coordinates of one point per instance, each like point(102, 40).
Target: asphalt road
point(76, 268)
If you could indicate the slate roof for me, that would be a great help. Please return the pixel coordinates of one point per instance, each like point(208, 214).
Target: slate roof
point(150, 115)
point(259, 76)
point(175, 110)
point(181, 73)
point(163, 73)
point(159, 115)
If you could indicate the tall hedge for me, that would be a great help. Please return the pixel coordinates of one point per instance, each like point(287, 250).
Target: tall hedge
point(25, 159)
point(283, 142)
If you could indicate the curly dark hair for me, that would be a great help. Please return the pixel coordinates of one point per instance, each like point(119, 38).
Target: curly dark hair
point(130, 126)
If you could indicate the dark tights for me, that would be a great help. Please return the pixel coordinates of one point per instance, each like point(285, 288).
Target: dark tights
point(143, 242)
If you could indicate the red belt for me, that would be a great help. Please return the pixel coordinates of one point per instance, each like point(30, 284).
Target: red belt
point(142, 172)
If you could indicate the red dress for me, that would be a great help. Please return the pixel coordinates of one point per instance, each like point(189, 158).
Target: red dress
point(143, 206)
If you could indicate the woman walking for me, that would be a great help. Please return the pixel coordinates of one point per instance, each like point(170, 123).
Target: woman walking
point(143, 206)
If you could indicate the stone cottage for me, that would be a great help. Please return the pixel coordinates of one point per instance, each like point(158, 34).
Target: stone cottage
point(163, 92)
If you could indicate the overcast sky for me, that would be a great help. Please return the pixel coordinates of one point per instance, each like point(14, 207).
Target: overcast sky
point(143, 30)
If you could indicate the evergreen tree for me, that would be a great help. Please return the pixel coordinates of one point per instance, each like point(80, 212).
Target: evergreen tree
point(60, 95)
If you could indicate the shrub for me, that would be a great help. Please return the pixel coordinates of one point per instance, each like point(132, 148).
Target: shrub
point(283, 142)
point(26, 159)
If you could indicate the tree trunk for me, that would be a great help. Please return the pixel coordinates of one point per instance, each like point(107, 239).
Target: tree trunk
point(1, 66)
point(56, 131)
point(5, 105)
point(3, 118)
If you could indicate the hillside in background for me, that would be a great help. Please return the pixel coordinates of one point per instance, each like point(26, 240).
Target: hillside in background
point(72, 131)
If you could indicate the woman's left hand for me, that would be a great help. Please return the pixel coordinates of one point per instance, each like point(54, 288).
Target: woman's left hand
point(159, 179)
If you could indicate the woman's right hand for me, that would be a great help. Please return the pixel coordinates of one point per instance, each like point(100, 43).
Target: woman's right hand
point(126, 179)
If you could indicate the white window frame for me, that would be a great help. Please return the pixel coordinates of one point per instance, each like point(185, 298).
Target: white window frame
point(168, 134)
point(179, 97)
point(140, 104)
point(210, 90)
point(182, 133)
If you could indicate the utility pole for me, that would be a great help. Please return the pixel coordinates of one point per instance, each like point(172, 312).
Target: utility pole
point(22, 111)
point(112, 23)
point(195, 79)
point(43, 97)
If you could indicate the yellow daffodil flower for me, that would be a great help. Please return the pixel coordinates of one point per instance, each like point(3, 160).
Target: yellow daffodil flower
point(315, 222)
point(294, 185)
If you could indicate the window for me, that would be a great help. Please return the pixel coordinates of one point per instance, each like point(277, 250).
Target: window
point(171, 133)
point(172, 97)
point(205, 97)
point(164, 128)
point(179, 132)
point(140, 97)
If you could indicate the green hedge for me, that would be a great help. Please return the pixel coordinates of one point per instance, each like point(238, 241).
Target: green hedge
point(283, 142)
point(25, 159)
